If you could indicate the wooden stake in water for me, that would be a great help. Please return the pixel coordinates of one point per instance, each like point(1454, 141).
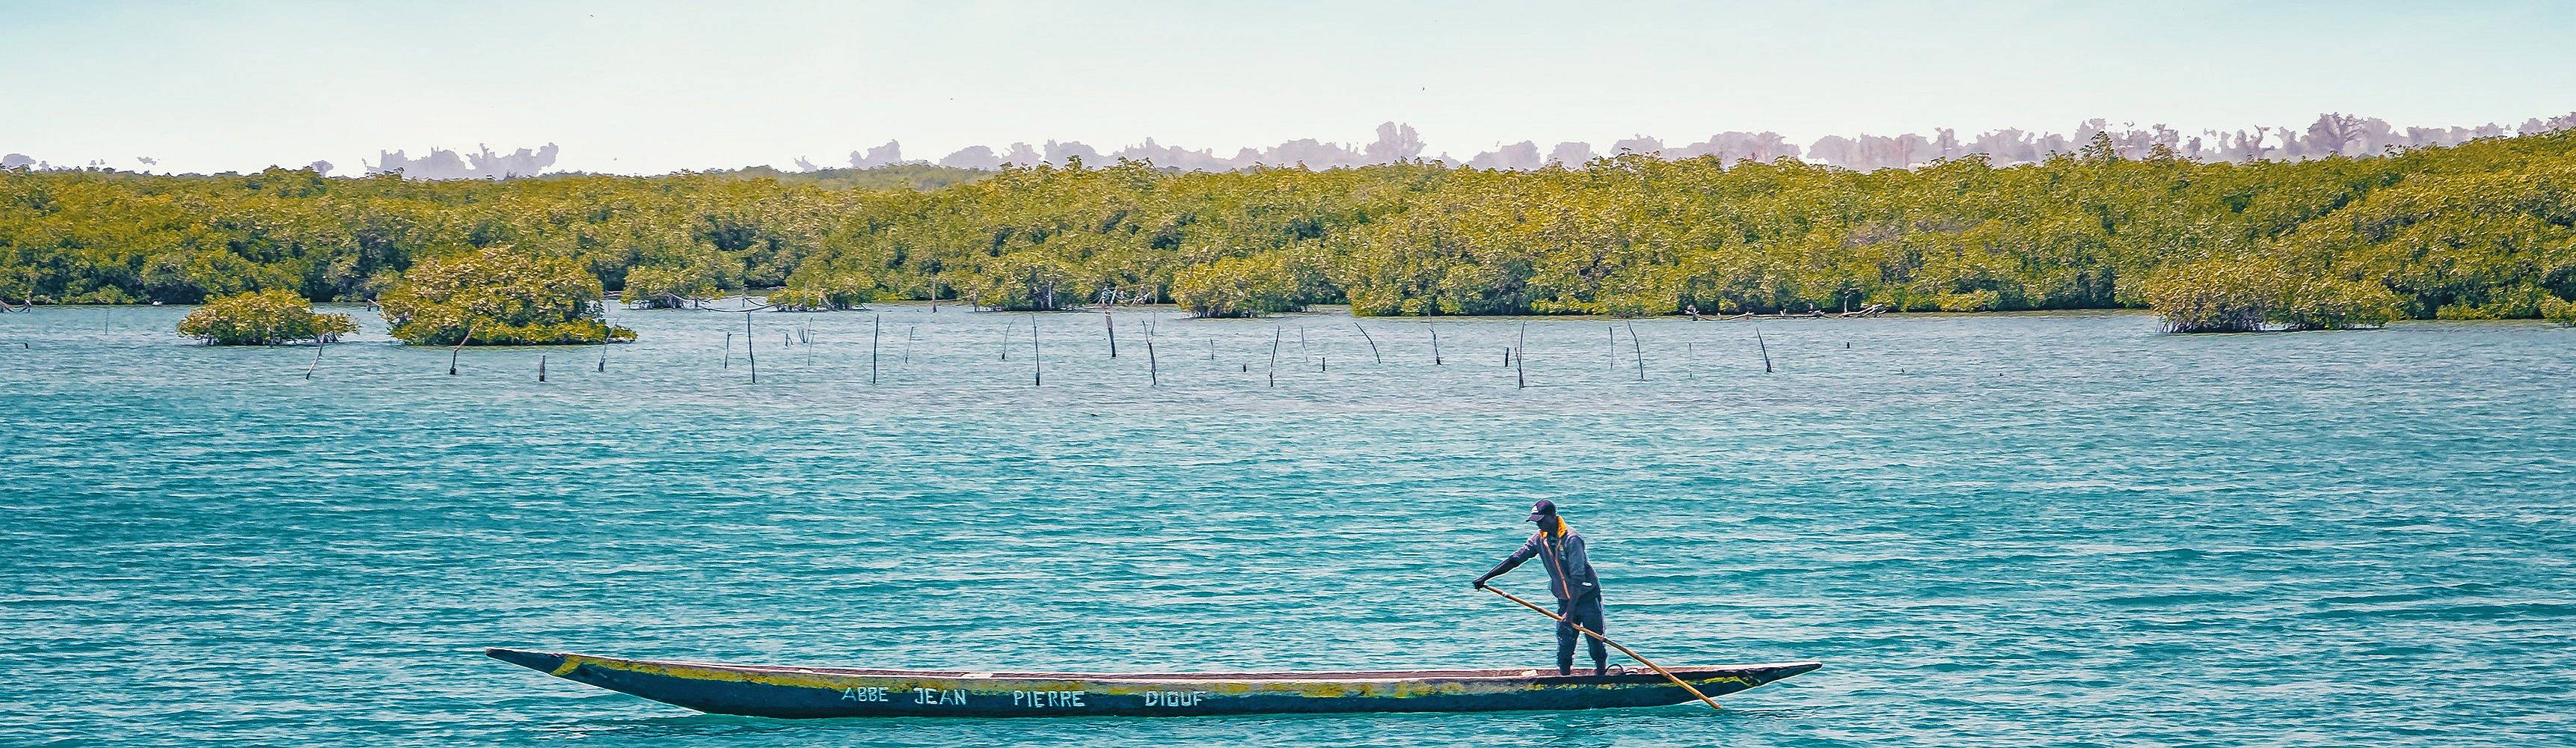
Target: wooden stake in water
point(1435, 344)
point(1112, 327)
point(1640, 349)
point(1520, 360)
point(876, 333)
point(1037, 355)
point(746, 348)
point(1153, 366)
point(1274, 356)
point(541, 369)
point(1372, 341)
point(909, 334)
point(1303, 352)
point(1014, 326)
point(728, 362)
point(460, 348)
point(318, 342)
point(1766, 350)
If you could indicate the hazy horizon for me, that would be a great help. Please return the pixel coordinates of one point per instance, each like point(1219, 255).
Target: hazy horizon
point(646, 88)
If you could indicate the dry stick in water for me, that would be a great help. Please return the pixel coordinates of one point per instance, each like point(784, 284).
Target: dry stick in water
point(1641, 351)
point(1520, 360)
point(746, 347)
point(876, 332)
point(460, 348)
point(1037, 356)
point(1614, 346)
point(1014, 326)
point(1112, 326)
point(1153, 366)
point(541, 369)
point(728, 351)
point(318, 342)
point(1435, 344)
point(1303, 352)
point(908, 334)
point(1766, 350)
point(1274, 356)
point(1372, 341)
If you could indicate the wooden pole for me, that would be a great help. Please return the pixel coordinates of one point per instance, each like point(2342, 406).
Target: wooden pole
point(1037, 356)
point(747, 356)
point(1112, 327)
point(1014, 326)
point(1435, 344)
point(1274, 356)
point(1153, 366)
point(876, 333)
point(908, 334)
point(1372, 341)
point(318, 342)
point(728, 363)
point(1766, 350)
point(1520, 360)
point(460, 348)
point(1640, 349)
point(1632, 654)
point(541, 368)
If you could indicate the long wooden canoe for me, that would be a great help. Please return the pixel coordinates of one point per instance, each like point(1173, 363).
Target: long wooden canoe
point(769, 691)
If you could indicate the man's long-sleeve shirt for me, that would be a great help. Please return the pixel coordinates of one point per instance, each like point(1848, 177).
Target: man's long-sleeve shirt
point(1569, 569)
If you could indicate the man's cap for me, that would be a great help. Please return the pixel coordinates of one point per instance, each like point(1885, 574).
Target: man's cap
point(1543, 509)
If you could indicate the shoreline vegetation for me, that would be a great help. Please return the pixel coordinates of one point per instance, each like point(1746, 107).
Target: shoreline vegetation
point(2481, 230)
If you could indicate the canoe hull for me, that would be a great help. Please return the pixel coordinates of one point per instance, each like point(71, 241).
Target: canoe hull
point(848, 692)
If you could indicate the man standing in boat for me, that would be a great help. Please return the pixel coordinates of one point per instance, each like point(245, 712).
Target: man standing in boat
point(1570, 578)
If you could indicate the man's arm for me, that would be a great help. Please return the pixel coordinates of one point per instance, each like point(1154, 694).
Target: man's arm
point(1527, 551)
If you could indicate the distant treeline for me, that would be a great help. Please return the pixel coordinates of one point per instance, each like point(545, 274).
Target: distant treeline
point(2476, 230)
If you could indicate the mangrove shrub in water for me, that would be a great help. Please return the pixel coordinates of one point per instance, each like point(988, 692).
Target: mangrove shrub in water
point(263, 318)
point(819, 290)
point(1239, 287)
point(2249, 294)
point(498, 297)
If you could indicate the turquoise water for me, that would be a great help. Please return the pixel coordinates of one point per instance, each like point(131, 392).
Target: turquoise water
point(2029, 530)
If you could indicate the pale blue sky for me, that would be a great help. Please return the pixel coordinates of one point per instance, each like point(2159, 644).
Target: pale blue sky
point(653, 86)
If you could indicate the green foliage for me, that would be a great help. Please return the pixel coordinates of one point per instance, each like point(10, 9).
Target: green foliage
point(667, 287)
point(498, 297)
point(2327, 303)
point(2245, 295)
point(1239, 287)
point(2219, 295)
point(818, 289)
point(263, 318)
point(2486, 229)
point(2560, 311)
